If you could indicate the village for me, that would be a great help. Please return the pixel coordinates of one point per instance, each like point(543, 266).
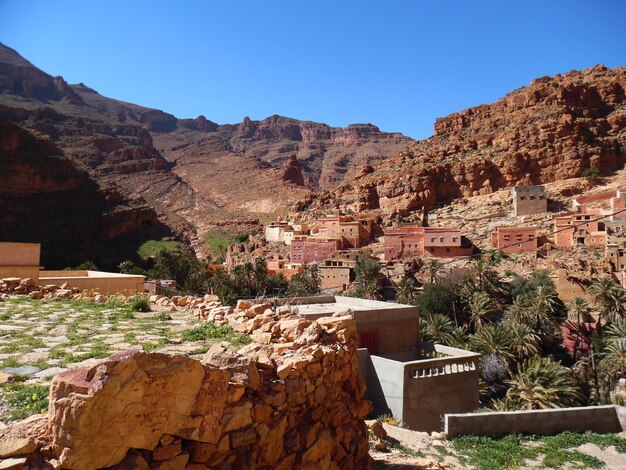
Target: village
point(333, 242)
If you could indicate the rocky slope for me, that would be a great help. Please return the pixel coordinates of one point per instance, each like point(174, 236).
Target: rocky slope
point(194, 173)
point(45, 198)
point(551, 130)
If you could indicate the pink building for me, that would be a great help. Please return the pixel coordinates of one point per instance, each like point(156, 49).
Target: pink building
point(353, 233)
point(414, 240)
point(514, 239)
point(305, 250)
point(579, 228)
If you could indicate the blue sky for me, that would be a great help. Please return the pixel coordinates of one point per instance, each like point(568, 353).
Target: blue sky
point(398, 64)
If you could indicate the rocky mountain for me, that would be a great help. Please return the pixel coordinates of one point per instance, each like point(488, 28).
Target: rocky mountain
point(193, 173)
point(553, 129)
point(45, 198)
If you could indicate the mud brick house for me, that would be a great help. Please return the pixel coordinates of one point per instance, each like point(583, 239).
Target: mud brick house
point(616, 245)
point(281, 266)
point(415, 240)
point(306, 249)
point(514, 239)
point(354, 233)
point(414, 381)
point(275, 231)
point(529, 200)
point(580, 228)
point(336, 274)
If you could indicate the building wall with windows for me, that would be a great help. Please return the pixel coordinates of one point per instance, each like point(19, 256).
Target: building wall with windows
point(529, 200)
point(514, 239)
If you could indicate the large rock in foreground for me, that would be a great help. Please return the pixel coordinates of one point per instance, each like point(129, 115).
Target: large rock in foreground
point(295, 401)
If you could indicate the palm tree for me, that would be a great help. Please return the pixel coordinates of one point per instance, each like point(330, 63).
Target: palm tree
point(578, 311)
point(542, 383)
point(609, 298)
point(459, 338)
point(437, 328)
point(434, 269)
point(495, 340)
point(525, 342)
point(518, 311)
point(481, 309)
point(613, 362)
point(543, 305)
point(405, 290)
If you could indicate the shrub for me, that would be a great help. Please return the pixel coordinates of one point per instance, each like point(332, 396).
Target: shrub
point(591, 173)
point(139, 304)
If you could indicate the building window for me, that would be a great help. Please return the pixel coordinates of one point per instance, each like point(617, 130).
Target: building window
point(442, 239)
point(530, 236)
point(531, 198)
point(507, 238)
point(454, 239)
point(432, 239)
point(521, 198)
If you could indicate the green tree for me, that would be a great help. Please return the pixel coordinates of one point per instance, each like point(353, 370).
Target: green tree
point(495, 340)
point(609, 299)
point(578, 311)
point(540, 383)
point(438, 298)
point(525, 343)
point(406, 290)
point(436, 328)
point(367, 276)
point(305, 283)
point(481, 310)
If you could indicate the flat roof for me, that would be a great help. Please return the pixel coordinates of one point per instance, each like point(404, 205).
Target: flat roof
point(329, 304)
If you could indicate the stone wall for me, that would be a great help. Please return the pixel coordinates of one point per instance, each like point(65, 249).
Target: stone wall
point(292, 400)
point(552, 421)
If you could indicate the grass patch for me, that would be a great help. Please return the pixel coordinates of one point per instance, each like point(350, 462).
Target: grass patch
point(153, 247)
point(23, 400)
point(139, 304)
point(210, 331)
point(512, 451)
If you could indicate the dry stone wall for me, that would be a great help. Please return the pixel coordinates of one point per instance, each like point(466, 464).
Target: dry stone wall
point(293, 399)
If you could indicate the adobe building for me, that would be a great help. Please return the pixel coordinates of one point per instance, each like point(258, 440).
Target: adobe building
point(415, 382)
point(529, 200)
point(415, 240)
point(336, 274)
point(22, 260)
point(275, 231)
point(353, 233)
point(579, 228)
point(615, 250)
point(514, 239)
point(306, 249)
point(616, 198)
point(280, 266)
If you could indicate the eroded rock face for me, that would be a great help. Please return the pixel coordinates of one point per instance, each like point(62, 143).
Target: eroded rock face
point(551, 130)
point(292, 172)
point(46, 198)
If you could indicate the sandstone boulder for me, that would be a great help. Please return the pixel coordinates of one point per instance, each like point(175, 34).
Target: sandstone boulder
point(129, 401)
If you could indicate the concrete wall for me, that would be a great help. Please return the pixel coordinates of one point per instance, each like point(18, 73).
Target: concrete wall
point(386, 376)
point(435, 387)
point(19, 260)
point(591, 418)
point(104, 283)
